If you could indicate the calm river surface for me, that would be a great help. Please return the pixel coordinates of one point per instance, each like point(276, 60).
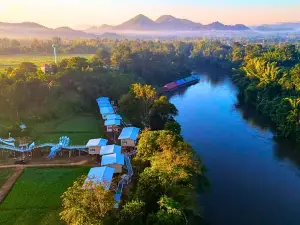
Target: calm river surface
point(254, 180)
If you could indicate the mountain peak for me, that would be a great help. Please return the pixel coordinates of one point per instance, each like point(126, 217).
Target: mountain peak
point(165, 18)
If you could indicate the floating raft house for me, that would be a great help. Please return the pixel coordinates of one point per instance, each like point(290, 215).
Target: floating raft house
point(181, 82)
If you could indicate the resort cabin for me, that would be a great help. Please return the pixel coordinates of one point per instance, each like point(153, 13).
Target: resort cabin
point(115, 161)
point(110, 149)
point(110, 124)
point(103, 100)
point(101, 175)
point(94, 145)
point(106, 110)
point(129, 136)
point(113, 117)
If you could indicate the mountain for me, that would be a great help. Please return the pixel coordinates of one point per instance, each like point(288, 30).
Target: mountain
point(168, 22)
point(35, 30)
point(140, 22)
point(67, 32)
point(165, 23)
point(289, 26)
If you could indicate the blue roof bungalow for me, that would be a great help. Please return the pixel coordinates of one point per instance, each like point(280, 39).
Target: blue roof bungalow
point(94, 145)
point(129, 136)
point(110, 149)
point(111, 123)
point(101, 175)
point(103, 100)
point(113, 117)
point(106, 110)
point(115, 161)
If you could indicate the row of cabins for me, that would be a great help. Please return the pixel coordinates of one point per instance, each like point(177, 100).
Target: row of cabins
point(112, 121)
point(112, 159)
point(181, 82)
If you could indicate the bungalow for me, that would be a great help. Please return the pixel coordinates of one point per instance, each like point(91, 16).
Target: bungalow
point(113, 117)
point(95, 145)
point(129, 136)
point(111, 123)
point(101, 175)
point(106, 110)
point(110, 149)
point(115, 161)
point(103, 100)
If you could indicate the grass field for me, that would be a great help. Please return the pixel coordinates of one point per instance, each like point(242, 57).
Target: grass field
point(7, 61)
point(5, 174)
point(79, 128)
point(35, 198)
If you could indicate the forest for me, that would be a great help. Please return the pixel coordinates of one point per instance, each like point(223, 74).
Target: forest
point(268, 79)
point(266, 75)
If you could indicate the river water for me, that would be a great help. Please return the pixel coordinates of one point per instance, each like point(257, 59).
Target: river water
point(253, 179)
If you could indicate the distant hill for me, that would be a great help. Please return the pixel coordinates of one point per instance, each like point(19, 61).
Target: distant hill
point(290, 26)
point(35, 30)
point(165, 23)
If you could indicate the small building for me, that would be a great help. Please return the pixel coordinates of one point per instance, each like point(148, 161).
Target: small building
point(115, 160)
point(110, 149)
point(47, 68)
point(129, 136)
point(95, 145)
point(113, 117)
point(101, 175)
point(106, 110)
point(110, 124)
point(103, 100)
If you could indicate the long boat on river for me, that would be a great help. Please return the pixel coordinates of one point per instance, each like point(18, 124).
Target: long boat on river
point(193, 79)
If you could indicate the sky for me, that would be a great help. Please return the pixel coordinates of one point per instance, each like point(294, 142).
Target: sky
point(55, 13)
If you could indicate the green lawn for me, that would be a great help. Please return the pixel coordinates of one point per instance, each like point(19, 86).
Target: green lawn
point(79, 128)
point(5, 174)
point(14, 60)
point(35, 198)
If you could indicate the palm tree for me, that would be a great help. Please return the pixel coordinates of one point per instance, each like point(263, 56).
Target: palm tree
point(264, 71)
point(295, 105)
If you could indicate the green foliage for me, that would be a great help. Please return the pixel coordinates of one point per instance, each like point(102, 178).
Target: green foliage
point(167, 188)
point(269, 80)
point(132, 213)
point(173, 126)
point(86, 203)
point(35, 197)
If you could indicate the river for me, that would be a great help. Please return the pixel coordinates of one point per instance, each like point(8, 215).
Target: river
point(253, 179)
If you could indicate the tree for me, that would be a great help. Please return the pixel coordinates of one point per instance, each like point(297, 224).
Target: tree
point(147, 95)
point(103, 55)
point(173, 126)
point(264, 71)
point(170, 213)
point(295, 110)
point(133, 213)
point(86, 204)
point(161, 112)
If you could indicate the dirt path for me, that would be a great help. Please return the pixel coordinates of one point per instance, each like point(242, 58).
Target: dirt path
point(80, 163)
point(8, 185)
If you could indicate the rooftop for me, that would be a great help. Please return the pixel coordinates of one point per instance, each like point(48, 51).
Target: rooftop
point(96, 142)
point(129, 133)
point(110, 149)
point(112, 122)
point(112, 159)
point(113, 117)
point(107, 110)
point(101, 175)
